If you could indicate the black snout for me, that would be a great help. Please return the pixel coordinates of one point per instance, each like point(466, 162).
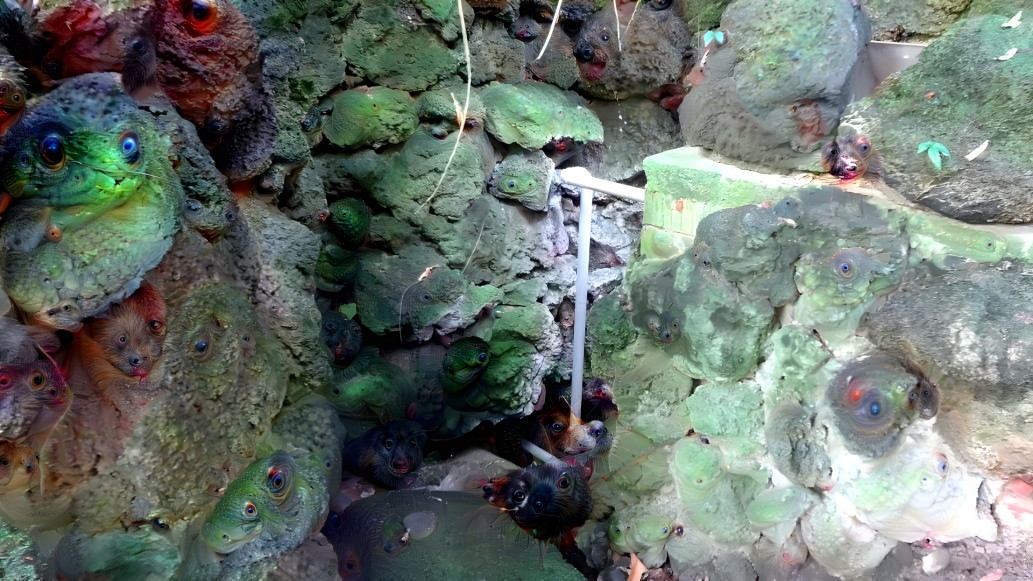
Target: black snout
point(583, 51)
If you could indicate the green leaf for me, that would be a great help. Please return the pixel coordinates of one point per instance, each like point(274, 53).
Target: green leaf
point(934, 157)
point(935, 151)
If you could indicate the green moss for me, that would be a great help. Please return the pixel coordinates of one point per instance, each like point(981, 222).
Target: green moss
point(371, 117)
point(532, 114)
point(937, 239)
point(722, 409)
point(388, 51)
point(723, 330)
point(437, 10)
point(683, 186)
point(973, 97)
point(705, 14)
point(794, 355)
point(609, 331)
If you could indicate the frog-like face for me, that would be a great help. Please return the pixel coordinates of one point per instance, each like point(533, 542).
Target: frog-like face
point(253, 502)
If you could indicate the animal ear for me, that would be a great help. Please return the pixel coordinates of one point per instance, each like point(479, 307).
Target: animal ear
point(538, 434)
point(564, 405)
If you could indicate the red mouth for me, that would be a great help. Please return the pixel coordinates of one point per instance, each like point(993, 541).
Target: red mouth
point(138, 372)
point(592, 71)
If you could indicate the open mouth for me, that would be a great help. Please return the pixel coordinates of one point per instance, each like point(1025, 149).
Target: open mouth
point(592, 71)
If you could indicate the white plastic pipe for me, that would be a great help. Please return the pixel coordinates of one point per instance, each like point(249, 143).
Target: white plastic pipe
point(580, 177)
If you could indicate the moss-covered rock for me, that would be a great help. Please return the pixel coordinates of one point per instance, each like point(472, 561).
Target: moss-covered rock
point(228, 377)
point(428, 294)
point(389, 51)
point(923, 18)
point(371, 117)
point(523, 177)
point(959, 95)
point(532, 114)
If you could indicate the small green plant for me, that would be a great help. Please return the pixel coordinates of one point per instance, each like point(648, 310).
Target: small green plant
point(935, 151)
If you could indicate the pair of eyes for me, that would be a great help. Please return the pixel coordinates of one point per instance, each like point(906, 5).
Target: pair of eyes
point(863, 146)
point(654, 325)
point(562, 483)
point(15, 95)
point(874, 408)
point(52, 149)
point(924, 393)
point(29, 466)
point(38, 380)
point(388, 444)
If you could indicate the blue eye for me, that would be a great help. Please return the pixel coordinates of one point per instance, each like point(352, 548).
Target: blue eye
point(201, 346)
point(511, 184)
point(482, 357)
point(52, 151)
point(129, 142)
point(874, 409)
point(276, 480)
point(844, 268)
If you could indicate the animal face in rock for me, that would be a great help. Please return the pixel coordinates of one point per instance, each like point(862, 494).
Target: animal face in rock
point(548, 500)
point(33, 399)
point(387, 454)
point(131, 337)
point(851, 156)
point(465, 360)
point(86, 176)
point(208, 64)
point(260, 498)
point(18, 466)
point(342, 336)
point(12, 103)
point(874, 397)
point(561, 433)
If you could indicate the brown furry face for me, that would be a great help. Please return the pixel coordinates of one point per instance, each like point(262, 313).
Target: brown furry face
point(847, 156)
point(130, 341)
point(557, 430)
point(387, 454)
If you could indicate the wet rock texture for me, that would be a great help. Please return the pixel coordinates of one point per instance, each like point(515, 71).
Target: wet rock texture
point(846, 421)
point(239, 235)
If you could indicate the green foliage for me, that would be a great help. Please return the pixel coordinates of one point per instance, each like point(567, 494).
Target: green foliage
point(935, 151)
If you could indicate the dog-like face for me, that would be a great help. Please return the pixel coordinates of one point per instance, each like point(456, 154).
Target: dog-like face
point(848, 156)
point(557, 430)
